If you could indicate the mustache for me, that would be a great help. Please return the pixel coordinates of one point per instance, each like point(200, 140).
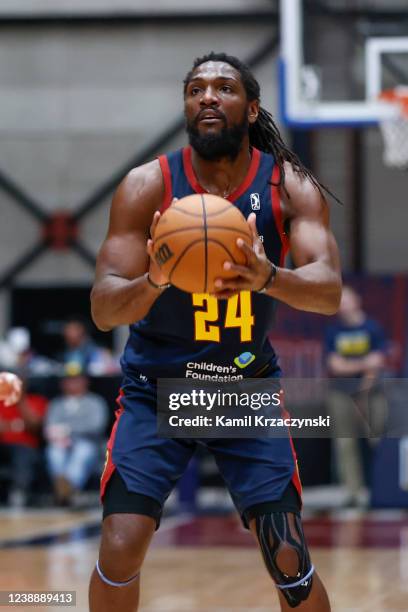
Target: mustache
point(215, 113)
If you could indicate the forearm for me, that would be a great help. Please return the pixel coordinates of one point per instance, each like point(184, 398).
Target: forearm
point(374, 361)
point(118, 301)
point(341, 366)
point(314, 287)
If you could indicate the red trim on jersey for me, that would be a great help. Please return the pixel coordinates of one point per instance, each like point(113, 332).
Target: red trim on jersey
point(295, 477)
point(189, 171)
point(168, 192)
point(110, 467)
point(192, 179)
point(248, 180)
point(277, 213)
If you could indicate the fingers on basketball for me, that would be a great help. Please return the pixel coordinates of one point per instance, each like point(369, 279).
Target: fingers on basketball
point(194, 238)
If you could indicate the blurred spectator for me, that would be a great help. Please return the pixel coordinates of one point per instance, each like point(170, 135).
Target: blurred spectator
point(81, 351)
point(17, 353)
point(20, 438)
point(356, 354)
point(75, 426)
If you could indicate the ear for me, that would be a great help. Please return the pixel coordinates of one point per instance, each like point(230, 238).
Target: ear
point(253, 111)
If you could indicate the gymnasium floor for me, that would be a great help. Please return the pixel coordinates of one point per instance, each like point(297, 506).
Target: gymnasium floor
point(209, 563)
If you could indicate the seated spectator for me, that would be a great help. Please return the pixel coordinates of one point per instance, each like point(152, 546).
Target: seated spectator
point(20, 437)
point(81, 350)
point(74, 429)
point(17, 353)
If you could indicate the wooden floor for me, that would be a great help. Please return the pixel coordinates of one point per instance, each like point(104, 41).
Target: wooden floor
point(209, 564)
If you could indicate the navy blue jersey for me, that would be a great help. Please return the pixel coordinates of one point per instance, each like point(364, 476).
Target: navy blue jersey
point(197, 336)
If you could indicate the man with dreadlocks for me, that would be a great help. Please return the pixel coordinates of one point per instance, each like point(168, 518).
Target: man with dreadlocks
point(235, 152)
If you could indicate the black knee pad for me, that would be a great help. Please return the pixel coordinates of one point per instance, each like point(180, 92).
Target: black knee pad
point(274, 532)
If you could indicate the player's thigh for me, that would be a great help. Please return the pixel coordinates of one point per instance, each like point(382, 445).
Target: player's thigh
point(147, 464)
point(255, 470)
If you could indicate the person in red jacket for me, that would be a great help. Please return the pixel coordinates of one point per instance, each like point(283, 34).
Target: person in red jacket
point(20, 436)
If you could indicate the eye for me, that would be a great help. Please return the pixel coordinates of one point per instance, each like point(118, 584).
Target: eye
point(226, 89)
point(194, 91)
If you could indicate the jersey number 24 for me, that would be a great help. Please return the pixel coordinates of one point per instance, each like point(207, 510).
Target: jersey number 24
point(238, 314)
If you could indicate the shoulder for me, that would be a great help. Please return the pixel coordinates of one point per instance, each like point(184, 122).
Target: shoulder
point(145, 180)
point(300, 196)
point(138, 196)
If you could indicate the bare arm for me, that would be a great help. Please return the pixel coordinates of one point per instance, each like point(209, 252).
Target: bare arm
point(315, 283)
point(121, 294)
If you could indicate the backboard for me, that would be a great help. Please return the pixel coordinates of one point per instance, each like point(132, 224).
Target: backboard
point(377, 62)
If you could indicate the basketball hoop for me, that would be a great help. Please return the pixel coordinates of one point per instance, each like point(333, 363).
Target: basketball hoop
point(395, 128)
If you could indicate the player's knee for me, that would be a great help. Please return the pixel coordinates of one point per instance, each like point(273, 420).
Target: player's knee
point(123, 547)
point(286, 556)
point(287, 559)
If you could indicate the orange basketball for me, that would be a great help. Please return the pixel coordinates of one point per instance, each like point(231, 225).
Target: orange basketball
point(193, 239)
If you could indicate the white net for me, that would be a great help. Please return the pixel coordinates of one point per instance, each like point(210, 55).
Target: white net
point(395, 129)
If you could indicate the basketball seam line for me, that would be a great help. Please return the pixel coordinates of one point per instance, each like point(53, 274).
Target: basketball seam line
point(197, 242)
point(176, 263)
point(200, 227)
point(194, 214)
point(188, 246)
point(205, 245)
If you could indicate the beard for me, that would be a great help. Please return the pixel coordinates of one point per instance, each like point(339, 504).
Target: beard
point(225, 144)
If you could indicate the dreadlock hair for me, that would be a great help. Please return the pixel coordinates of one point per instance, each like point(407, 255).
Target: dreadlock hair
point(264, 133)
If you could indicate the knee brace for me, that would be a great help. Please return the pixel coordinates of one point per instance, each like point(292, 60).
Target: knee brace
point(111, 582)
point(282, 542)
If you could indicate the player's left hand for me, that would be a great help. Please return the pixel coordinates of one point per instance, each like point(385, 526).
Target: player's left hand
point(251, 277)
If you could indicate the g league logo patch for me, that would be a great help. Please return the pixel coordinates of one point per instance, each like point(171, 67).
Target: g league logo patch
point(255, 201)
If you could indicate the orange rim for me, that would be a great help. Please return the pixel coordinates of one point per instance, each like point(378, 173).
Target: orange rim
point(395, 96)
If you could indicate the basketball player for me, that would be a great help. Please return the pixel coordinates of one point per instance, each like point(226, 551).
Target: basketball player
point(235, 152)
point(10, 388)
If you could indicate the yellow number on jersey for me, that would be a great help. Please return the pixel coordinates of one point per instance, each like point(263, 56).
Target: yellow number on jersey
point(202, 318)
point(239, 314)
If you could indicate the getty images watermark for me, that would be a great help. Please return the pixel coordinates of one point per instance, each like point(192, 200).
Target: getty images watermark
point(308, 408)
point(217, 400)
point(249, 408)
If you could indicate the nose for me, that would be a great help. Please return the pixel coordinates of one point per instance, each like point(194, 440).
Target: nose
point(209, 97)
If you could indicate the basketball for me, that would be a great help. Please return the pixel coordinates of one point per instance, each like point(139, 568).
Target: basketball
point(193, 239)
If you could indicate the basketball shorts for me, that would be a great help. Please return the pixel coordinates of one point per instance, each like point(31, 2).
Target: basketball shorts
point(142, 469)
